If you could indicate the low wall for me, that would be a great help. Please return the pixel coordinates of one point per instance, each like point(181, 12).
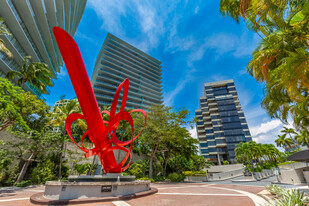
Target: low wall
point(224, 168)
point(264, 174)
point(225, 175)
point(196, 178)
point(295, 165)
point(291, 176)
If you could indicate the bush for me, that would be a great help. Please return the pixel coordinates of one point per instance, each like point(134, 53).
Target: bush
point(194, 173)
point(225, 162)
point(43, 172)
point(291, 198)
point(175, 177)
point(159, 178)
point(275, 190)
point(23, 183)
point(82, 168)
point(146, 178)
point(136, 169)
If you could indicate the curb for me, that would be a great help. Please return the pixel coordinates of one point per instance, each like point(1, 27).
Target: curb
point(39, 199)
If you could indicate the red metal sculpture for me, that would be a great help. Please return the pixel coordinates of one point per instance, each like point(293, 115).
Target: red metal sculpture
point(98, 129)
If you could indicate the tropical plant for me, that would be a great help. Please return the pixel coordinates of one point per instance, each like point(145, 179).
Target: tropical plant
point(303, 138)
point(256, 156)
point(282, 141)
point(59, 116)
point(3, 31)
point(281, 58)
point(36, 73)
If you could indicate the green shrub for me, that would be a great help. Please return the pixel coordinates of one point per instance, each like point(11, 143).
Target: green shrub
point(257, 168)
point(136, 169)
point(146, 178)
point(125, 174)
point(23, 183)
point(44, 171)
point(225, 162)
point(159, 178)
point(175, 177)
point(82, 168)
point(291, 198)
point(194, 173)
point(275, 190)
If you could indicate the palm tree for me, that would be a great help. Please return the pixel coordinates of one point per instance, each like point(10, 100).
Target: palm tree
point(4, 30)
point(290, 131)
point(36, 73)
point(281, 58)
point(284, 142)
point(59, 116)
point(303, 138)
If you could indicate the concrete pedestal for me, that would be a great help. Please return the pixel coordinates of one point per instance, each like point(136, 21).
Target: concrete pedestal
point(90, 189)
point(110, 177)
point(56, 190)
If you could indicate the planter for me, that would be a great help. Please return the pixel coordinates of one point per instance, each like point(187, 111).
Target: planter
point(201, 178)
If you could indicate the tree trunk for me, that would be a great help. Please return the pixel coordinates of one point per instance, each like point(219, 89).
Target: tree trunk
point(165, 164)
point(60, 159)
point(151, 160)
point(24, 169)
point(93, 161)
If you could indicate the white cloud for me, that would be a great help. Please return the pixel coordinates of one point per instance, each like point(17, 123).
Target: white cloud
point(110, 12)
point(239, 46)
point(193, 132)
point(169, 97)
point(265, 127)
point(63, 73)
point(267, 132)
point(196, 10)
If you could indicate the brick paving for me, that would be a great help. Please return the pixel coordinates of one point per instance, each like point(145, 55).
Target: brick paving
point(168, 194)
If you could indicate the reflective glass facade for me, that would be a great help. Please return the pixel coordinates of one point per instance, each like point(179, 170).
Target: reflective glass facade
point(221, 122)
point(118, 60)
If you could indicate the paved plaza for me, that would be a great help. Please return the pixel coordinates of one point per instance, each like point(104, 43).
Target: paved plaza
point(168, 194)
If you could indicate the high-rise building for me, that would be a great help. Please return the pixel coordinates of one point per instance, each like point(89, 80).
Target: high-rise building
point(221, 122)
point(118, 60)
point(30, 22)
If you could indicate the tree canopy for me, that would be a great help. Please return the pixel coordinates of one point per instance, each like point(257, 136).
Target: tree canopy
point(18, 107)
point(281, 58)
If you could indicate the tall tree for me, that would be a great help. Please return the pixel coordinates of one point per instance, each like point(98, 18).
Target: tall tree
point(59, 116)
point(280, 60)
point(303, 138)
point(282, 141)
point(161, 120)
point(18, 107)
point(30, 145)
point(4, 31)
point(36, 73)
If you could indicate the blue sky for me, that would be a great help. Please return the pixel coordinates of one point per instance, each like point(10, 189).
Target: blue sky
point(195, 44)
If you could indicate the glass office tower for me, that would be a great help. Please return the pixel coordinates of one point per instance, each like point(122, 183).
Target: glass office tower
point(118, 60)
point(221, 122)
point(30, 23)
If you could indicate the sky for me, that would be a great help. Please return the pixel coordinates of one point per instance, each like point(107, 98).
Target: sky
point(195, 44)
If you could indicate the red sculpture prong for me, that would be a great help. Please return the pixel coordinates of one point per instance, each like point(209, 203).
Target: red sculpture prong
point(97, 131)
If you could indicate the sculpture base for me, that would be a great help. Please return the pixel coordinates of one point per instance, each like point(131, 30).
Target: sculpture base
point(110, 177)
point(57, 193)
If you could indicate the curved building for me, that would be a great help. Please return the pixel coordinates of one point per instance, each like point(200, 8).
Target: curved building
point(30, 22)
point(118, 60)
